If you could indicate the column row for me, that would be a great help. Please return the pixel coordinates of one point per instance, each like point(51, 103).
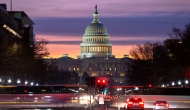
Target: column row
point(91, 49)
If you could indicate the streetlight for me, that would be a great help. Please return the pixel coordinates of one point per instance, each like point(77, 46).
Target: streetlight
point(9, 81)
point(36, 84)
point(26, 82)
point(118, 89)
point(186, 81)
point(18, 81)
point(0, 80)
point(32, 83)
point(179, 82)
point(173, 83)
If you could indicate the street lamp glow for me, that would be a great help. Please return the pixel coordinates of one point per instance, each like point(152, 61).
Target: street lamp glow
point(0, 80)
point(136, 88)
point(9, 81)
point(18, 81)
point(173, 83)
point(186, 82)
point(179, 82)
point(36, 84)
point(26, 82)
point(32, 83)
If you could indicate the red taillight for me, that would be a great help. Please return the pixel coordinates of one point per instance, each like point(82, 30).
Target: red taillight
point(156, 104)
point(141, 102)
point(130, 102)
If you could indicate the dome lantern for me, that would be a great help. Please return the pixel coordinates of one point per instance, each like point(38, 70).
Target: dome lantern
point(96, 19)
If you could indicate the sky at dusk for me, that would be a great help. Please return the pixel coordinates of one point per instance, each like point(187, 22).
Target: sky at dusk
point(129, 22)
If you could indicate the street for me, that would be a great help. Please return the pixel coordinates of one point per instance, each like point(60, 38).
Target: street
point(77, 101)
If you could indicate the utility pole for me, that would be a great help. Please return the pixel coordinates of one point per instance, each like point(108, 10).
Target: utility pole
point(90, 98)
point(90, 82)
point(11, 5)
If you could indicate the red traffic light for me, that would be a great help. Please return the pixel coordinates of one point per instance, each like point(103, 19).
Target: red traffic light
point(103, 81)
point(98, 81)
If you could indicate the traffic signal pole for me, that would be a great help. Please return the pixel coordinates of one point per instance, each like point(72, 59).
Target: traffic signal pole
point(90, 98)
point(90, 82)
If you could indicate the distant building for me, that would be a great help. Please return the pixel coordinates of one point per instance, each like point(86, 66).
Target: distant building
point(96, 57)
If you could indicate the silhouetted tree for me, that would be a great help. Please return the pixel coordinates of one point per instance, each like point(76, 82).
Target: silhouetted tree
point(83, 78)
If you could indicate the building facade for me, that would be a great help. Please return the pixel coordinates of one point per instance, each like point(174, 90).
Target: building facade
point(16, 33)
point(96, 57)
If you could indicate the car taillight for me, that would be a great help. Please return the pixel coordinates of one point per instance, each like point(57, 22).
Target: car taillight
point(141, 102)
point(156, 104)
point(130, 102)
point(167, 105)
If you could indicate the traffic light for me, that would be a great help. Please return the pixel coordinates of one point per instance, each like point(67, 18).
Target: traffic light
point(87, 81)
point(93, 81)
point(101, 83)
point(90, 81)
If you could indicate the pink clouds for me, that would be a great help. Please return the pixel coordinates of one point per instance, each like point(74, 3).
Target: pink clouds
point(59, 38)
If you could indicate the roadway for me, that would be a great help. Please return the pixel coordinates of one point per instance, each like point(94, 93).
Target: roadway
point(69, 100)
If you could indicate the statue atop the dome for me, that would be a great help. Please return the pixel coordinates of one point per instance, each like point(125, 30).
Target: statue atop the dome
point(96, 8)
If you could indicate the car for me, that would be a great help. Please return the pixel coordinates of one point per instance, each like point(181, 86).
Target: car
point(134, 104)
point(161, 105)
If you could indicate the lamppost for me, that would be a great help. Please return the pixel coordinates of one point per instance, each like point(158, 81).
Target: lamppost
point(31, 83)
point(186, 82)
point(26, 82)
point(18, 82)
point(153, 74)
point(179, 82)
point(9, 81)
point(118, 89)
point(173, 83)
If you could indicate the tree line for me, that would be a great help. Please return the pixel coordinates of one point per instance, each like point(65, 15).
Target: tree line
point(157, 63)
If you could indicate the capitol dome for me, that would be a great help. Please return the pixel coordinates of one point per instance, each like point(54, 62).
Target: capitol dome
point(96, 41)
point(96, 29)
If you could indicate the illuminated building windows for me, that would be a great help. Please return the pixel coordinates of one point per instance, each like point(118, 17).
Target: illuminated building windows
point(74, 69)
point(69, 68)
point(90, 68)
point(77, 69)
point(122, 74)
point(11, 30)
point(110, 69)
point(115, 69)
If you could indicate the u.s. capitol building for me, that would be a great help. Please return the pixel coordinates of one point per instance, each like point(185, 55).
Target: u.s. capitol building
point(96, 57)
